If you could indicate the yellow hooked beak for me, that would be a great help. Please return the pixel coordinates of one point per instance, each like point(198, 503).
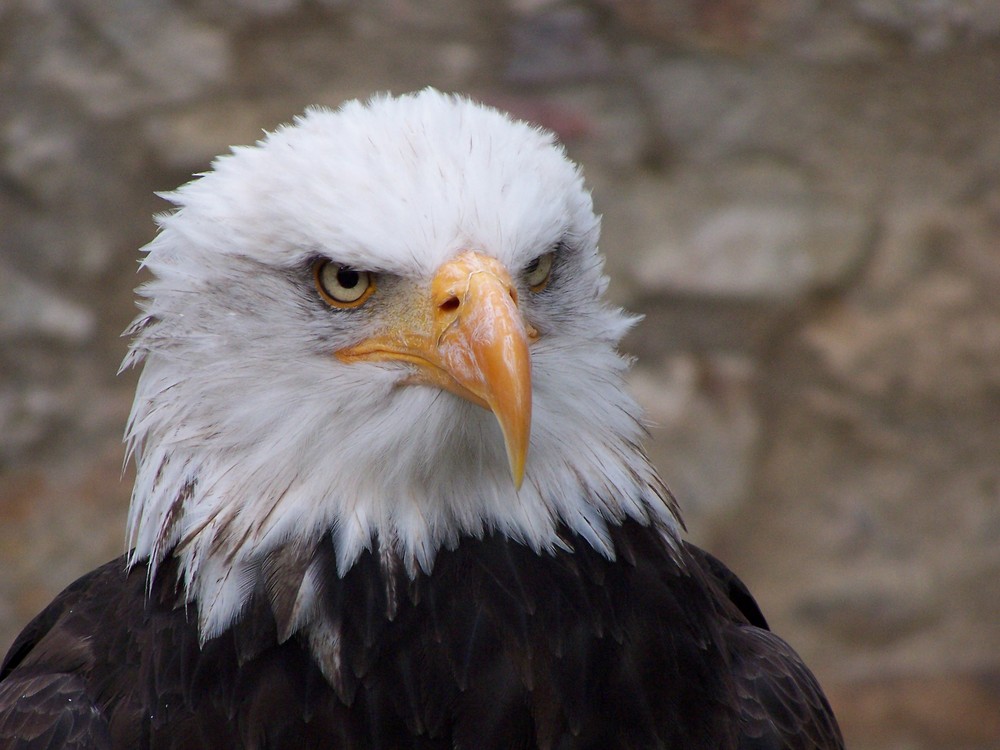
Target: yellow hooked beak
point(469, 339)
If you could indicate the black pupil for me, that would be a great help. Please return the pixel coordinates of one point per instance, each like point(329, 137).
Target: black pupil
point(348, 278)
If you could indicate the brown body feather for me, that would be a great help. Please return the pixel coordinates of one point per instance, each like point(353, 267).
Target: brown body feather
point(499, 647)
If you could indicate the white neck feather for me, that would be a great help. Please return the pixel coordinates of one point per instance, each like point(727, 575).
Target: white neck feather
point(225, 476)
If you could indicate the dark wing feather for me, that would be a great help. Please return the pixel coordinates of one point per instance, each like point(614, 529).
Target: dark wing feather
point(731, 586)
point(779, 701)
point(44, 700)
point(781, 704)
point(50, 712)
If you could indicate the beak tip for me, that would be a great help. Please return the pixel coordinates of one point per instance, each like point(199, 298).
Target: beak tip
point(518, 476)
point(517, 456)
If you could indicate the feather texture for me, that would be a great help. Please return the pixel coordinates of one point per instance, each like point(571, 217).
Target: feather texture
point(599, 654)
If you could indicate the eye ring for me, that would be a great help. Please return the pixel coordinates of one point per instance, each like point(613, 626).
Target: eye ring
point(342, 286)
point(538, 272)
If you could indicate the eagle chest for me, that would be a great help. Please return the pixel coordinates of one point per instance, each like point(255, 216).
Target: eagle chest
point(498, 646)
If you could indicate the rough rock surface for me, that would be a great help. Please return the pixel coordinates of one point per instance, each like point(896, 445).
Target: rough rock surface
point(802, 197)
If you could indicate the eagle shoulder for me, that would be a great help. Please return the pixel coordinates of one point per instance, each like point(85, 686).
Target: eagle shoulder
point(45, 696)
point(779, 701)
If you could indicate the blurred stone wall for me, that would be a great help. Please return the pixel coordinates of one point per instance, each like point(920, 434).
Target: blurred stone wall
point(803, 197)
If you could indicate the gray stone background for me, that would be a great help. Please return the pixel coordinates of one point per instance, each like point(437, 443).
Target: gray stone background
point(803, 197)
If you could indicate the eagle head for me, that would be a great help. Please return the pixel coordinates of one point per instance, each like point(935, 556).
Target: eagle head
point(380, 327)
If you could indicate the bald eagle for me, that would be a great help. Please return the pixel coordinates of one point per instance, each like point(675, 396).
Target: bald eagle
point(390, 488)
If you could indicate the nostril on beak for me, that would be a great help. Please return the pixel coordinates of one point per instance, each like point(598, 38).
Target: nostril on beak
point(449, 305)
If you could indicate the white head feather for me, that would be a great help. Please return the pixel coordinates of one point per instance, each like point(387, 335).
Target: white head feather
point(249, 434)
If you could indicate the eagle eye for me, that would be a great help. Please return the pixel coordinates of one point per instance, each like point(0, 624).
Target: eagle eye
point(342, 286)
point(538, 271)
